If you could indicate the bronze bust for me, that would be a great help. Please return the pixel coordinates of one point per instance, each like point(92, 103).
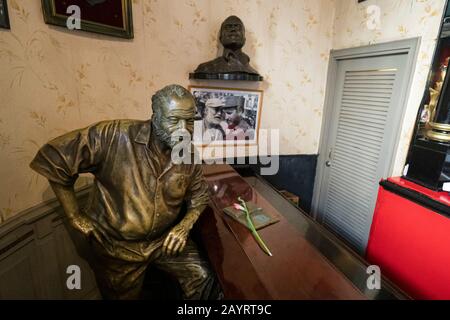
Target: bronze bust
point(233, 64)
point(134, 217)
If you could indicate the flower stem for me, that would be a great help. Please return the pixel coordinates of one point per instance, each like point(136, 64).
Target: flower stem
point(253, 229)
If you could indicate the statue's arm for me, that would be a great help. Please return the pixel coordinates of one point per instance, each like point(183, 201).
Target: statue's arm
point(197, 201)
point(67, 199)
point(178, 236)
point(64, 158)
point(191, 217)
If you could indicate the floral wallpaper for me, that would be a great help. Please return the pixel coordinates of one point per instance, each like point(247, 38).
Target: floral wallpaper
point(398, 19)
point(54, 80)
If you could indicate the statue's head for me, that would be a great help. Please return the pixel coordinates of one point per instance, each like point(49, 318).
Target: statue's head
point(173, 113)
point(232, 33)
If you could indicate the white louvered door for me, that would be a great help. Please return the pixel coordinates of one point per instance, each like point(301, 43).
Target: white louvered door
point(365, 112)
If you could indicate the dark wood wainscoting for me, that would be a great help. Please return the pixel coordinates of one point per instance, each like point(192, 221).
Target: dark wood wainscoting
point(35, 251)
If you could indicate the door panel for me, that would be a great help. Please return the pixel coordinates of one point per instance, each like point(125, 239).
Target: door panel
point(366, 112)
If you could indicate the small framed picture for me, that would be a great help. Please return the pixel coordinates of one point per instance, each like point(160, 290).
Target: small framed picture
point(110, 17)
point(226, 116)
point(4, 18)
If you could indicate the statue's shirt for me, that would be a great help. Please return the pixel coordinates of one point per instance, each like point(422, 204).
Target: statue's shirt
point(138, 191)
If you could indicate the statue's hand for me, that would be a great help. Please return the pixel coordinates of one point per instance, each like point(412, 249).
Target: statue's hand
point(176, 240)
point(82, 224)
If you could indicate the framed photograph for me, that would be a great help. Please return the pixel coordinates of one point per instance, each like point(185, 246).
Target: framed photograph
point(4, 18)
point(110, 17)
point(226, 116)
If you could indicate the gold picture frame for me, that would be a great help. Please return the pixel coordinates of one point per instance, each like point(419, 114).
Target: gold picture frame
point(109, 17)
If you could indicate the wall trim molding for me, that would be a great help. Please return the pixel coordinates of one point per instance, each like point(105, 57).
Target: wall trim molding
point(37, 212)
point(36, 247)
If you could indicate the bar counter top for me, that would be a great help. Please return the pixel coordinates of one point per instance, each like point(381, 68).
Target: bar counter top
point(308, 261)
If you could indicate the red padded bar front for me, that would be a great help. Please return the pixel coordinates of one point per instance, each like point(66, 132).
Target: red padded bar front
point(410, 242)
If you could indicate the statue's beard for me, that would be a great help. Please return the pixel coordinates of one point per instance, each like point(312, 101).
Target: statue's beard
point(163, 135)
point(170, 139)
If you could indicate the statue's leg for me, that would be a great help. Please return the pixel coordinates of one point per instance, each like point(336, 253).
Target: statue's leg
point(117, 278)
point(193, 272)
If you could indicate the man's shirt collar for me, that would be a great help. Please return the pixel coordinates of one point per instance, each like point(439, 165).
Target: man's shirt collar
point(143, 136)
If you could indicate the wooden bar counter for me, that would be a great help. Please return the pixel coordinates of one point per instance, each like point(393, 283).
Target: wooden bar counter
point(308, 262)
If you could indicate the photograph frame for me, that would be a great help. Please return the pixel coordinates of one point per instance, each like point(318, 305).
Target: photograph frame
point(53, 18)
point(235, 92)
point(4, 16)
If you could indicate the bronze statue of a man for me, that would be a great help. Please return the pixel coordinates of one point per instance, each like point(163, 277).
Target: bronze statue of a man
point(233, 61)
point(133, 218)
